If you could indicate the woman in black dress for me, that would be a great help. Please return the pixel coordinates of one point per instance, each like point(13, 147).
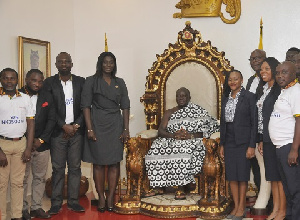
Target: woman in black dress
point(267, 95)
point(104, 96)
point(238, 139)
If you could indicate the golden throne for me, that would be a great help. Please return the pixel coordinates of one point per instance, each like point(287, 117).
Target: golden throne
point(198, 66)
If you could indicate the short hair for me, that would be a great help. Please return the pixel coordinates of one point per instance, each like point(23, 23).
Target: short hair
point(185, 90)
point(8, 70)
point(100, 63)
point(262, 52)
point(64, 53)
point(30, 72)
point(294, 49)
point(293, 66)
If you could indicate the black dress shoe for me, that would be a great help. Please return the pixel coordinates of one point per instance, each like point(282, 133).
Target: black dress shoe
point(76, 208)
point(54, 210)
point(39, 213)
point(101, 209)
point(26, 215)
point(110, 209)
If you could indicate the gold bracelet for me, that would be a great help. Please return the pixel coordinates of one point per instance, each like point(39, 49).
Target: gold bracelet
point(90, 130)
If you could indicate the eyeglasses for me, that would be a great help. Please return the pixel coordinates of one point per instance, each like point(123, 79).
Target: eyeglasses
point(254, 59)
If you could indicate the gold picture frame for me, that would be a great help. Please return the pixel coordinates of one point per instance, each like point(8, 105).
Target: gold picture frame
point(33, 54)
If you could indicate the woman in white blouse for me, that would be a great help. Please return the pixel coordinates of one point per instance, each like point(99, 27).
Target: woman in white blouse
point(267, 95)
point(238, 132)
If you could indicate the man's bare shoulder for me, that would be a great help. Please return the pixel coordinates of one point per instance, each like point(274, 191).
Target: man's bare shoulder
point(171, 111)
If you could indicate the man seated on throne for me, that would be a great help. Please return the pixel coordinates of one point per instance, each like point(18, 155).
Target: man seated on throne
point(178, 153)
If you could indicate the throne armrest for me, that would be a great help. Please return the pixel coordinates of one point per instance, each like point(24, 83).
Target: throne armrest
point(152, 133)
point(215, 135)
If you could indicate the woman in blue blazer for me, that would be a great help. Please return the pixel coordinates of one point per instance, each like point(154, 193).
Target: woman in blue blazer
point(238, 139)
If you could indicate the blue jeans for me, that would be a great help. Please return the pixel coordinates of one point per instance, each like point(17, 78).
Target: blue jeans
point(66, 151)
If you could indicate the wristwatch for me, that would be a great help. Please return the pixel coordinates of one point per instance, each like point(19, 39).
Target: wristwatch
point(41, 141)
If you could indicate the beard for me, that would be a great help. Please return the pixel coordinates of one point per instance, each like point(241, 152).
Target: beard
point(65, 72)
point(10, 89)
point(31, 91)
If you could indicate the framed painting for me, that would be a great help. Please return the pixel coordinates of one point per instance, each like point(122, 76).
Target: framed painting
point(33, 54)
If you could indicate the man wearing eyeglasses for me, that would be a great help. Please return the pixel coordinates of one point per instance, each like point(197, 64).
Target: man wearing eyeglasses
point(256, 59)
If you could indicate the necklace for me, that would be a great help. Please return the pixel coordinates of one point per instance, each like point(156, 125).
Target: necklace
point(2, 92)
point(291, 83)
point(26, 91)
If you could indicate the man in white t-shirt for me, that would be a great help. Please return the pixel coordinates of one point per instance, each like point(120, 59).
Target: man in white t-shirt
point(296, 61)
point(45, 120)
point(16, 119)
point(284, 129)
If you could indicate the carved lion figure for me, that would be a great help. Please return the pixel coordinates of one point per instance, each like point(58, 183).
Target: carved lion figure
point(137, 181)
point(212, 171)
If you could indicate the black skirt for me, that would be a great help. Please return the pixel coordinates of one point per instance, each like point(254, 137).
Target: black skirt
point(237, 166)
point(270, 161)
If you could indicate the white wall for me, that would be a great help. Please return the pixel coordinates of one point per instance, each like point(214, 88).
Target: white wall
point(137, 30)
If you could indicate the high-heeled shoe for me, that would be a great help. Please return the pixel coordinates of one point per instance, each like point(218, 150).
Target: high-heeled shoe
point(109, 209)
point(101, 209)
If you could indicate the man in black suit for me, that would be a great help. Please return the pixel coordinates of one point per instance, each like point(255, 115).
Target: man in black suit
point(42, 103)
point(256, 59)
point(67, 137)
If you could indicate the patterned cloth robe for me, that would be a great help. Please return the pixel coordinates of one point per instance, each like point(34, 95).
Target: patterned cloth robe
point(172, 162)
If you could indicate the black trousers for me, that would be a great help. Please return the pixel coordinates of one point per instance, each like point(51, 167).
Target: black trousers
point(66, 151)
point(290, 176)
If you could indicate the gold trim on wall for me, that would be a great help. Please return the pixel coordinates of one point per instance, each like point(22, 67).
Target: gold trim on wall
point(209, 8)
point(46, 55)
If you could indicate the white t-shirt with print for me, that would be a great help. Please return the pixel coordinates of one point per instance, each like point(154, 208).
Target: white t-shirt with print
point(68, 91)
point(13, 114)
point(282, 121)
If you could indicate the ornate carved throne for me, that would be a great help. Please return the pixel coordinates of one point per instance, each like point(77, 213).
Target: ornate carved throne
point(198, 66)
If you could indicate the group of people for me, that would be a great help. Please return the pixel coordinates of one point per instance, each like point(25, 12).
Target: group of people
point(88, 119)
point(265, 115)
point(77, 119)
